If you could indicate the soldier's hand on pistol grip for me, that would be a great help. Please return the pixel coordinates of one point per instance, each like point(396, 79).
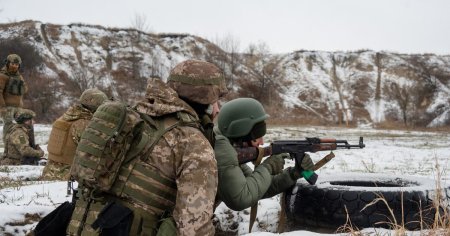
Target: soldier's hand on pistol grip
point(41, 152)
point(307, 164)
point(274, 163)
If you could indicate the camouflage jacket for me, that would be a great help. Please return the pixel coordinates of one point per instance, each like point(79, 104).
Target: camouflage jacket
point(17, 144)
point(184, 155)
point(79, 117)
point(241, 187)
point(7, 99)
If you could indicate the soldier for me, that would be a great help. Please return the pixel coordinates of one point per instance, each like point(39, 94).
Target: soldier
point(66, 132)
point(192, 81)
point(12, 89)
point(171, 189)
point(19, 143)
point(241, 122)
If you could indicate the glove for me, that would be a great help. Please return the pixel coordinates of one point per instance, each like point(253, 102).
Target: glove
point(274, 163)
point(307, 164)
point(41, 152)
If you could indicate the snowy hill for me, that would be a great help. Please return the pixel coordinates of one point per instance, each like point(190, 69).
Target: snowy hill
point(313, 86)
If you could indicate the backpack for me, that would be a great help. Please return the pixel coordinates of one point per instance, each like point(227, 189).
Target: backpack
point(105, 143)
point(60, 146)
point(115, 139)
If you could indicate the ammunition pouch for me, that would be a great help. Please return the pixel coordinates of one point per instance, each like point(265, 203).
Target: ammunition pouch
point(56, 222)
point(114, 220)
point(15, 86)
point(167, 227)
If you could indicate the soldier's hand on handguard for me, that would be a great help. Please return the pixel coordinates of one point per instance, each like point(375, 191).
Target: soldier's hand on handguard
point(274, 163)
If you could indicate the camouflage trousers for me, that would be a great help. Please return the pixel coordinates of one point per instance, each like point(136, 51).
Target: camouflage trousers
point(56, 171)
point(9, 161)
point(8, 117)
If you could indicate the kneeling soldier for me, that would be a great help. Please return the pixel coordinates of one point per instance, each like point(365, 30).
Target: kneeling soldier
point(19, 142)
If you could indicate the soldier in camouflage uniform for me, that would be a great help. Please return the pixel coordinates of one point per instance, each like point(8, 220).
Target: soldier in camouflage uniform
point(241, 122)
point(66, 132)
point(188, 79)
point(12, 89)
point(177, 180)
point(18, 147)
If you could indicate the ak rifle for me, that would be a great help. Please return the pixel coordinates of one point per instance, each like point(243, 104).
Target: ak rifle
point(297, 150)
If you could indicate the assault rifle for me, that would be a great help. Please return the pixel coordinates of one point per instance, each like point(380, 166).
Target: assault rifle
point(296, 150)
point(26, 160)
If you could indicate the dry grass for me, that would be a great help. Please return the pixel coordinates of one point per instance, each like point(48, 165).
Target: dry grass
point(440, 225)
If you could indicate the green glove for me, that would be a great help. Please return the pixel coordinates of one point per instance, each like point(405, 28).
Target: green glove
point(274, 163)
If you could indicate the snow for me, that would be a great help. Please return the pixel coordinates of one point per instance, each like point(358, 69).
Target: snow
point(406, 154)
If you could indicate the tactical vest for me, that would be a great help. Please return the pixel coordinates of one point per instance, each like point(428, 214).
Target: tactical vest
point(61, 147)
point(121, 139)
point(15, 86)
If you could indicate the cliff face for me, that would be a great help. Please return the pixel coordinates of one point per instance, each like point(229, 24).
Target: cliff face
point(336, 87)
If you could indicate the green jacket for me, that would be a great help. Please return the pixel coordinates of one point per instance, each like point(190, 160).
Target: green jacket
point(241, 187)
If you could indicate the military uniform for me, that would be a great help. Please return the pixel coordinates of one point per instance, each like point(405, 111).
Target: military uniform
point(178, 177)
point(240, 187)
point(66, 132)
point(17, 146)
point(12, 89)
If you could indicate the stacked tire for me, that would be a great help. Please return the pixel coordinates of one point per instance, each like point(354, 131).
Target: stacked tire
point(366, 200)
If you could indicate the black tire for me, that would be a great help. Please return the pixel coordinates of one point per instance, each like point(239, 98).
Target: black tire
point(325, 205)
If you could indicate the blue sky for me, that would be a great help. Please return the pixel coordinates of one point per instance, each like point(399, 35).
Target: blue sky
point(405, 26)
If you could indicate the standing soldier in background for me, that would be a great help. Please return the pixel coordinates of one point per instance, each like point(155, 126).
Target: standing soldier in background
point(66, 132)
point(20, 147)
point(12, 89)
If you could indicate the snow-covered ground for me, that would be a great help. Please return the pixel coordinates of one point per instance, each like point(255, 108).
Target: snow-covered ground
point(389, 152)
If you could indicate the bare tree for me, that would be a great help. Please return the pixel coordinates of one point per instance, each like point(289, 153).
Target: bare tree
point(264, 72)
point(231, 45)
point(139, 22)
point(82, 80)
point(43, 97)
point(402, 95)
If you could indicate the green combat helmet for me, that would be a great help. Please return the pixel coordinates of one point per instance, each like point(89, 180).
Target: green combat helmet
point(23, 115)
point(92, 98)
point(197, 81)
point(242, 117)
point(13, 58)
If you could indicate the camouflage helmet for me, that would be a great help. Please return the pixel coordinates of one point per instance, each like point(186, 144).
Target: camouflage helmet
point(92, 98)
point(239, 117)
point(23, 115)
point(197, 81)
point(13, 58)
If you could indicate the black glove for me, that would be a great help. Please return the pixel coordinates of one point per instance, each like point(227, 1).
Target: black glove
point(274, 163)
